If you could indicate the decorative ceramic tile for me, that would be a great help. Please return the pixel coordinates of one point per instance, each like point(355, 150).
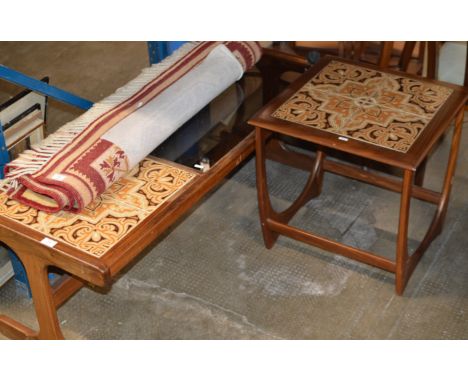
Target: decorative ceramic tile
point(31, 217)
point(105, 221)
point(368, 105)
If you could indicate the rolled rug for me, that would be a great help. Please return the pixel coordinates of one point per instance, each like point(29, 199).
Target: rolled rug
point(206, 119)
point(78, 162)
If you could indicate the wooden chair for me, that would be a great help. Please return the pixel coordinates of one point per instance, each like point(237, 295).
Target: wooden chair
point(296, 56)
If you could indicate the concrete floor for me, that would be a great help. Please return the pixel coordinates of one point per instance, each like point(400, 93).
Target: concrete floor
point(211, 277)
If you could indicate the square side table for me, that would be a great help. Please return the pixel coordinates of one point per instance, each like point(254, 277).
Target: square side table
point(389, 117)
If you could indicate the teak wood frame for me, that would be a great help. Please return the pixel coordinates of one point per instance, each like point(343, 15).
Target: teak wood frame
point(100, 272)
point(274, 223)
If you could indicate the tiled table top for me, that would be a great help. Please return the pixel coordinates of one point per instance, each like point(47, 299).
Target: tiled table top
point(367, 105)
point(103, 223)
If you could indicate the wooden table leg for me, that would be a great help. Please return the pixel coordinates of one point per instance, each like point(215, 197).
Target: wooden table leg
point(264, 204)
point(402, 239)
point(15, 330)
point(420, 172)
point(311, 189)
point(438, 220)
point(451, 166)
point(44, 304)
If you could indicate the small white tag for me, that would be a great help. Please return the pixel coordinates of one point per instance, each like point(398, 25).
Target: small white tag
point(343, 139)
point(49, 242)
point(58, 177)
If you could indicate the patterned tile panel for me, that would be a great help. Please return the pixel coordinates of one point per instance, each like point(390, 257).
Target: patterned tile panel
point(371, 106)
point(105, 221)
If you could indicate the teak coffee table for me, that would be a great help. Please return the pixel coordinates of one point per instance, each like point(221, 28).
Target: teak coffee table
point(389, 117)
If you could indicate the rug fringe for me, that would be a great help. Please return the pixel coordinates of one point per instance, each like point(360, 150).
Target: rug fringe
point(34, 159)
